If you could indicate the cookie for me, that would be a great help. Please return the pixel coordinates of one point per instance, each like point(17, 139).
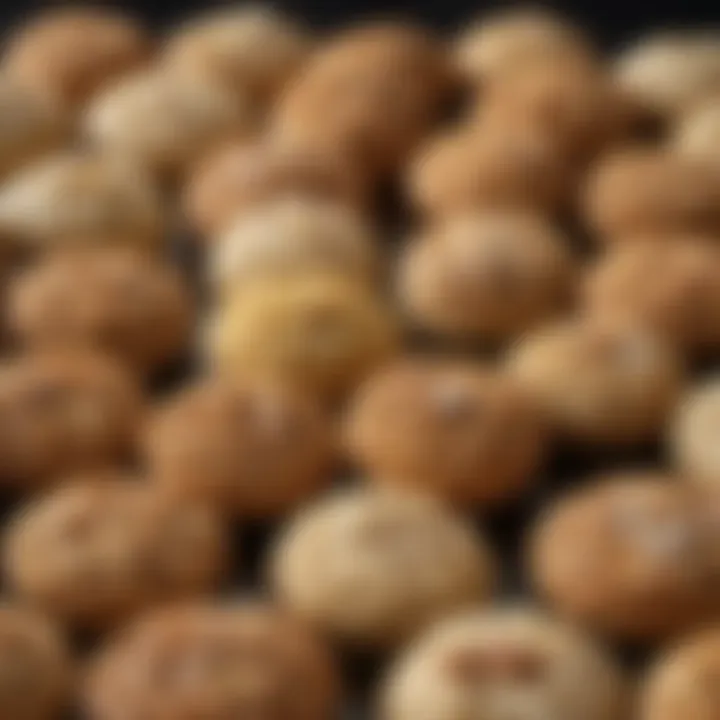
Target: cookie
point(372, 567)
point(63, 412)
point(462, 432)
point(486, 277)
point(697, 133)
point(634, 555)
point(321, 333)
point(131, 305)
point(497, 664)
point(252, 450)
point(71, 199)
point(69, 53)
point(101, 548)
point(214, 662)
point(35, 666)
point(238, 178)
point(291, 237)
point(600, 384)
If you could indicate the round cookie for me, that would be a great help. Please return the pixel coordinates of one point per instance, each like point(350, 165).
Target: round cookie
point(372, 567)
point(599, 384)
point(486, 276)
point(32, 127)
point(294, 236)
point(102, 548)
point(72, 199)
point(322, 333)
point(671, 71)
point(370, 95)
point(166, 122)
point(671, 288)
point(698, 132)
point(492, 44)
point(35, 666)
point(462, 432)
point(681, 684)
point(634, 555)
point(694, 432)
point(490, 166)
point(214, 662)
point(501, 664)
point(242, 176)
point(253, 49)
point(252, 450)
point(63, 412)
point(130, 304)
point(68, 53)
point(654, 192)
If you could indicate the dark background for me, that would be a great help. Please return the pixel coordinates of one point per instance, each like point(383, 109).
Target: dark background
point(612, 21)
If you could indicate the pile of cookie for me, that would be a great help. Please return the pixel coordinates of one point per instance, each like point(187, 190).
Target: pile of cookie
point(408, 272)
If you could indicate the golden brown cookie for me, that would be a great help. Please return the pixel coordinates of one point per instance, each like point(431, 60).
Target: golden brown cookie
point(35, 666)
point(671, 288)
point(67, 54)
point(490, 166)
point(239, 177)
point(71, 199)
point(635, 555)
point(506, 663)
point(104, 547)
point(291, 237)
point(63, 412)
point(252, 450)
point(599, 384)
point(252, 49)
point(682, 683)
point(370, 94)
point(486, 276)
point(322, 333)
point(372, 567)
point(214, 662)
point(165, 122)
point(462, 432)
point(654, 192)
point(131, 305)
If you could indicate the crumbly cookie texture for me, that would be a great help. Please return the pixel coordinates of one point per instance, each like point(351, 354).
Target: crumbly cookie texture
point(508, 662)
point(373, 567)
point(103, 547)
point(216, 662)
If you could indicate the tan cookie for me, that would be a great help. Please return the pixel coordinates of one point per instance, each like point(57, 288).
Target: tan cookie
point(36, 675)
point(242, 176)
point(507, 663)
point(133, 306)
point(216, 662)
point(464, 433)
point(62, 412)
point(370, 95)
point(602, 384)
point(291, 237)
point(635, 555)
point(486, 276)
point(671, 288)
point(694, 432)
point(372, 567)
point(165, 122)
point(698, 132)
point(490, 166)
point(640, 191)
point(67, 54)
point(253, 450)
point(253, 49)
point(102, 548)
point(72, 199)
point(323, 333)
point(682, 684)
